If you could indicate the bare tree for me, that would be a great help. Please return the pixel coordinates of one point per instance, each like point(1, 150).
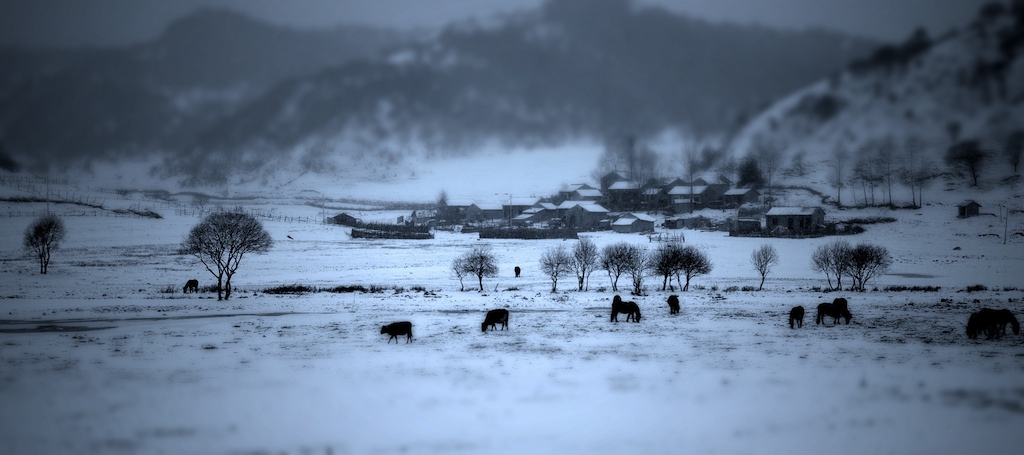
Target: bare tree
point(837, 175)
point(626, 154)
point(480, 262)
point(692, 166)
point(220, 242)
point(43, 236)
point(696, 160)
point(584, 260)
point(666, 262)
point(865, 172)
point(865, 262)
point(967, 156)
point(1014, 148)
point(614, 259)
point(460, 270)
point(796, 164)
point(918, 169)
point(769, 160)
point(693, 263)
point(763, 259)
point(885, 153)
point(636, 264)
point(556, 262)
point(443, 216)
point(832, 259)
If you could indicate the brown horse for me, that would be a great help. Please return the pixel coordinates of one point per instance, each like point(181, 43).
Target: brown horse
point(191, 286)
point(631, 309)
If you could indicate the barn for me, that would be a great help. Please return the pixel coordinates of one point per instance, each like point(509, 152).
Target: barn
point(739, 196)
point(584, 216)
point(484, 211)
point(344, 219)
point(633, 222)
point(795, 219)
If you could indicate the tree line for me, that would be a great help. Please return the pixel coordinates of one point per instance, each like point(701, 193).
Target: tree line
point(671, 261)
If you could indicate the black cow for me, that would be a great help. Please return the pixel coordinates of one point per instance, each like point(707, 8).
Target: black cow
point(494, 317)
point(398, 328)
point(833, 311)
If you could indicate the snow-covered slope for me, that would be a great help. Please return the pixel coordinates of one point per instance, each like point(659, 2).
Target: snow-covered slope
point(968, 85)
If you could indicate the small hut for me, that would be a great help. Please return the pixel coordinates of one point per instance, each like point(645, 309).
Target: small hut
point(968, 209)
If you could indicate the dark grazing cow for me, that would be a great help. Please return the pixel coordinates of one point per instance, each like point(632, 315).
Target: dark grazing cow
point(398, 328)
point(841, 304)
point(517, 271)
point(191, 286)
point(494, 317)
point(673, 304)
point(796, 315)
point(631, 309)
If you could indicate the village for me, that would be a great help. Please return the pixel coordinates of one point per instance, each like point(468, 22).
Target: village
point(621, 205)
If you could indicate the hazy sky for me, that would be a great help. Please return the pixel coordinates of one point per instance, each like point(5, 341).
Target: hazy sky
point(62, 23)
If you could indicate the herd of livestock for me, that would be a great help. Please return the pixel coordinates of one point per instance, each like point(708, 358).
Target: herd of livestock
point(986, 321)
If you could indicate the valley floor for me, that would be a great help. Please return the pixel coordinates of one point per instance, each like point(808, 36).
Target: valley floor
point(105, 354)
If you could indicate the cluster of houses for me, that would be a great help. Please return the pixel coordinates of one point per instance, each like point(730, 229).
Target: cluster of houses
point(619, 205)
point(623, 206)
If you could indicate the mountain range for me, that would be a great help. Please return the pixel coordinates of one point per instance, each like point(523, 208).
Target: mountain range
point(218, 92)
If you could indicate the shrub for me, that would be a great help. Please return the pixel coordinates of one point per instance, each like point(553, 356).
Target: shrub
point(748, 288)
point(290, 289)
point(902, 288)
point(976, 288)
point(345, 289)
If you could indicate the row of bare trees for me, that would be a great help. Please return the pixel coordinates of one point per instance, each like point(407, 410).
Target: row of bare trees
point(860, 263)
point(674, 260)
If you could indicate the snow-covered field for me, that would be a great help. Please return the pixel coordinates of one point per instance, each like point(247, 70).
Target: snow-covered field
point(134, 369)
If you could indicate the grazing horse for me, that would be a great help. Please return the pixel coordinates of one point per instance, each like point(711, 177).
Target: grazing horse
point(631, 309)
point(517, 271)
point(673, 304)
point(830, 309)
point(398, 328)
point(1004, 317)
point(796, 315)
point(494, 317)
point(191, 286)
point(977, 324)
point(992, 322)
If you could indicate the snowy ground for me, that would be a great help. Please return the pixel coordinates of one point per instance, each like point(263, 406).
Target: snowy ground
point(136, 370)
